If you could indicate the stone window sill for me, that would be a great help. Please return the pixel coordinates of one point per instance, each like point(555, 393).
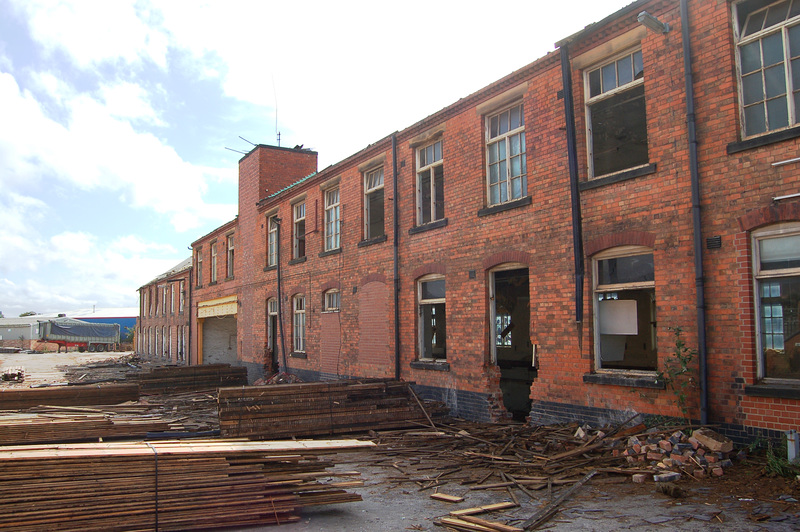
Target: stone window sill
point(331, 252)
point(297, 354)
point(502, 207)
point(430, 365)
point(775, 390)
point(430, 226)
point(371, 241)
point(619, 176)
point(631, 380)
point(298, 260)
point(763, 140)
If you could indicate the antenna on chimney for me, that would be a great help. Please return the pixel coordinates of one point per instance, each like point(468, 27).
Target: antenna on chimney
point(275, 92)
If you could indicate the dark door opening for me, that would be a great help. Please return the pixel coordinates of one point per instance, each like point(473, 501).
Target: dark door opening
point(511, 340)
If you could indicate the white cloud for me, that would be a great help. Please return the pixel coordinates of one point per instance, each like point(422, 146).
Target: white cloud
point(96, 150)
point(92, 31)
point(129, 101)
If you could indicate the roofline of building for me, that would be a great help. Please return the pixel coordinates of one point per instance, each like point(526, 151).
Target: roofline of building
point(271, 147)
point(223, 227)
point(635, 6)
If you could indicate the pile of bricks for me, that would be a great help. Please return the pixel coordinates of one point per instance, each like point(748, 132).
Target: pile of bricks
point(704, 453)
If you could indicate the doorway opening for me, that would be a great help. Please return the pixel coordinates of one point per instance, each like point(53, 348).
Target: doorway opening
point(510, 339)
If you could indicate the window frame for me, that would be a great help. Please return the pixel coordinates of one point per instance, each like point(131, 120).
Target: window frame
point(774, 231)
point(605, 95)
point(597, 288)
point(506, 139)
point(331, 300)
point(430, 167)
point(299, 323)
point(271, 312)
point(298, 239)
point(199, 262)
point(181, 297)
point(333, 219)
point(373, 190)
point(229, 262)
point(272, 241)
point(421, 325)
point(213, 262)
point(791, 92)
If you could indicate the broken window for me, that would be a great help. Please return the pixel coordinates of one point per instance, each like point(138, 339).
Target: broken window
point(506, 158)
point(373, 204)
point(503, 327)
point(777, 271)
point(430, 183)
point(432, 318)
point(299, 237)
point(299, 324)
point(768, 36)
point(616, 115)
point(625, 309)
point(229, 262)
point(332, 220)
point(332, 299)
point(272, 241)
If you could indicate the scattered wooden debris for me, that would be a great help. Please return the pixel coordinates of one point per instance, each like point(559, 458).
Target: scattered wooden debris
point(15, 374)
point(166, 485)
point(446, 498)
point(317, 408)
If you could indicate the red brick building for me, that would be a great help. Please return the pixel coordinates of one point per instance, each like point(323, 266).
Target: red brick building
point(163, 327)
point(532, 249)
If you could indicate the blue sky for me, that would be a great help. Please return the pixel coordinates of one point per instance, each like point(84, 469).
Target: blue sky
point(115, 115)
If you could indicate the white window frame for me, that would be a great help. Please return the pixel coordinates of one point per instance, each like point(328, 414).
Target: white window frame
point(422, 302)
point(617, 252)
point(199, 262)
point(785, 229)
point(229, 263)
point(164, 300)
point(172, 298)
point(272, 241)
point(504, 163)
point(332, 300)
point(792, 93)
point(213, 262)
point(299, 323)
point(607, 94)
point(299, 230)
point(374, 186)
point(181, 297)
point(430, 160)
point(333, 219)
point(272, 310)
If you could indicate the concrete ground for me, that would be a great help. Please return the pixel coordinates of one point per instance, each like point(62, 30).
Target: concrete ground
point(742, 500)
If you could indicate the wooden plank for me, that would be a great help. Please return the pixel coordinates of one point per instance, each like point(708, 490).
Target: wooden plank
point(446, 498)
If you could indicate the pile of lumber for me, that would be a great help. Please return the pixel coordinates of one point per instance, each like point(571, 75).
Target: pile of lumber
point(317, 408)
point(21, 428)
point(165, 379)
point(167, 485)
point(111, 394)
point(187, 414)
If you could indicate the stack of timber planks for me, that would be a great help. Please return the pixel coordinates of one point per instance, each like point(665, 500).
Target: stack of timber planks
point(110, 394)
point(169, 485)
point(23, 428)
point(185, 378)
point(317, 408)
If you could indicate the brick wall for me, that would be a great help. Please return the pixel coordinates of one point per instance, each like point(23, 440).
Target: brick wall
point(649, 206)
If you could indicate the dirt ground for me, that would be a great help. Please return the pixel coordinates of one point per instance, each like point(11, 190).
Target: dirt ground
point(743, 499)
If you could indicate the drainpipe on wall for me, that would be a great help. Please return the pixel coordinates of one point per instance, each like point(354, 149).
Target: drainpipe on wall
point(285, 368)
point(572, 155)
point(188, 290)
point(396, 259)
point(696, 220)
